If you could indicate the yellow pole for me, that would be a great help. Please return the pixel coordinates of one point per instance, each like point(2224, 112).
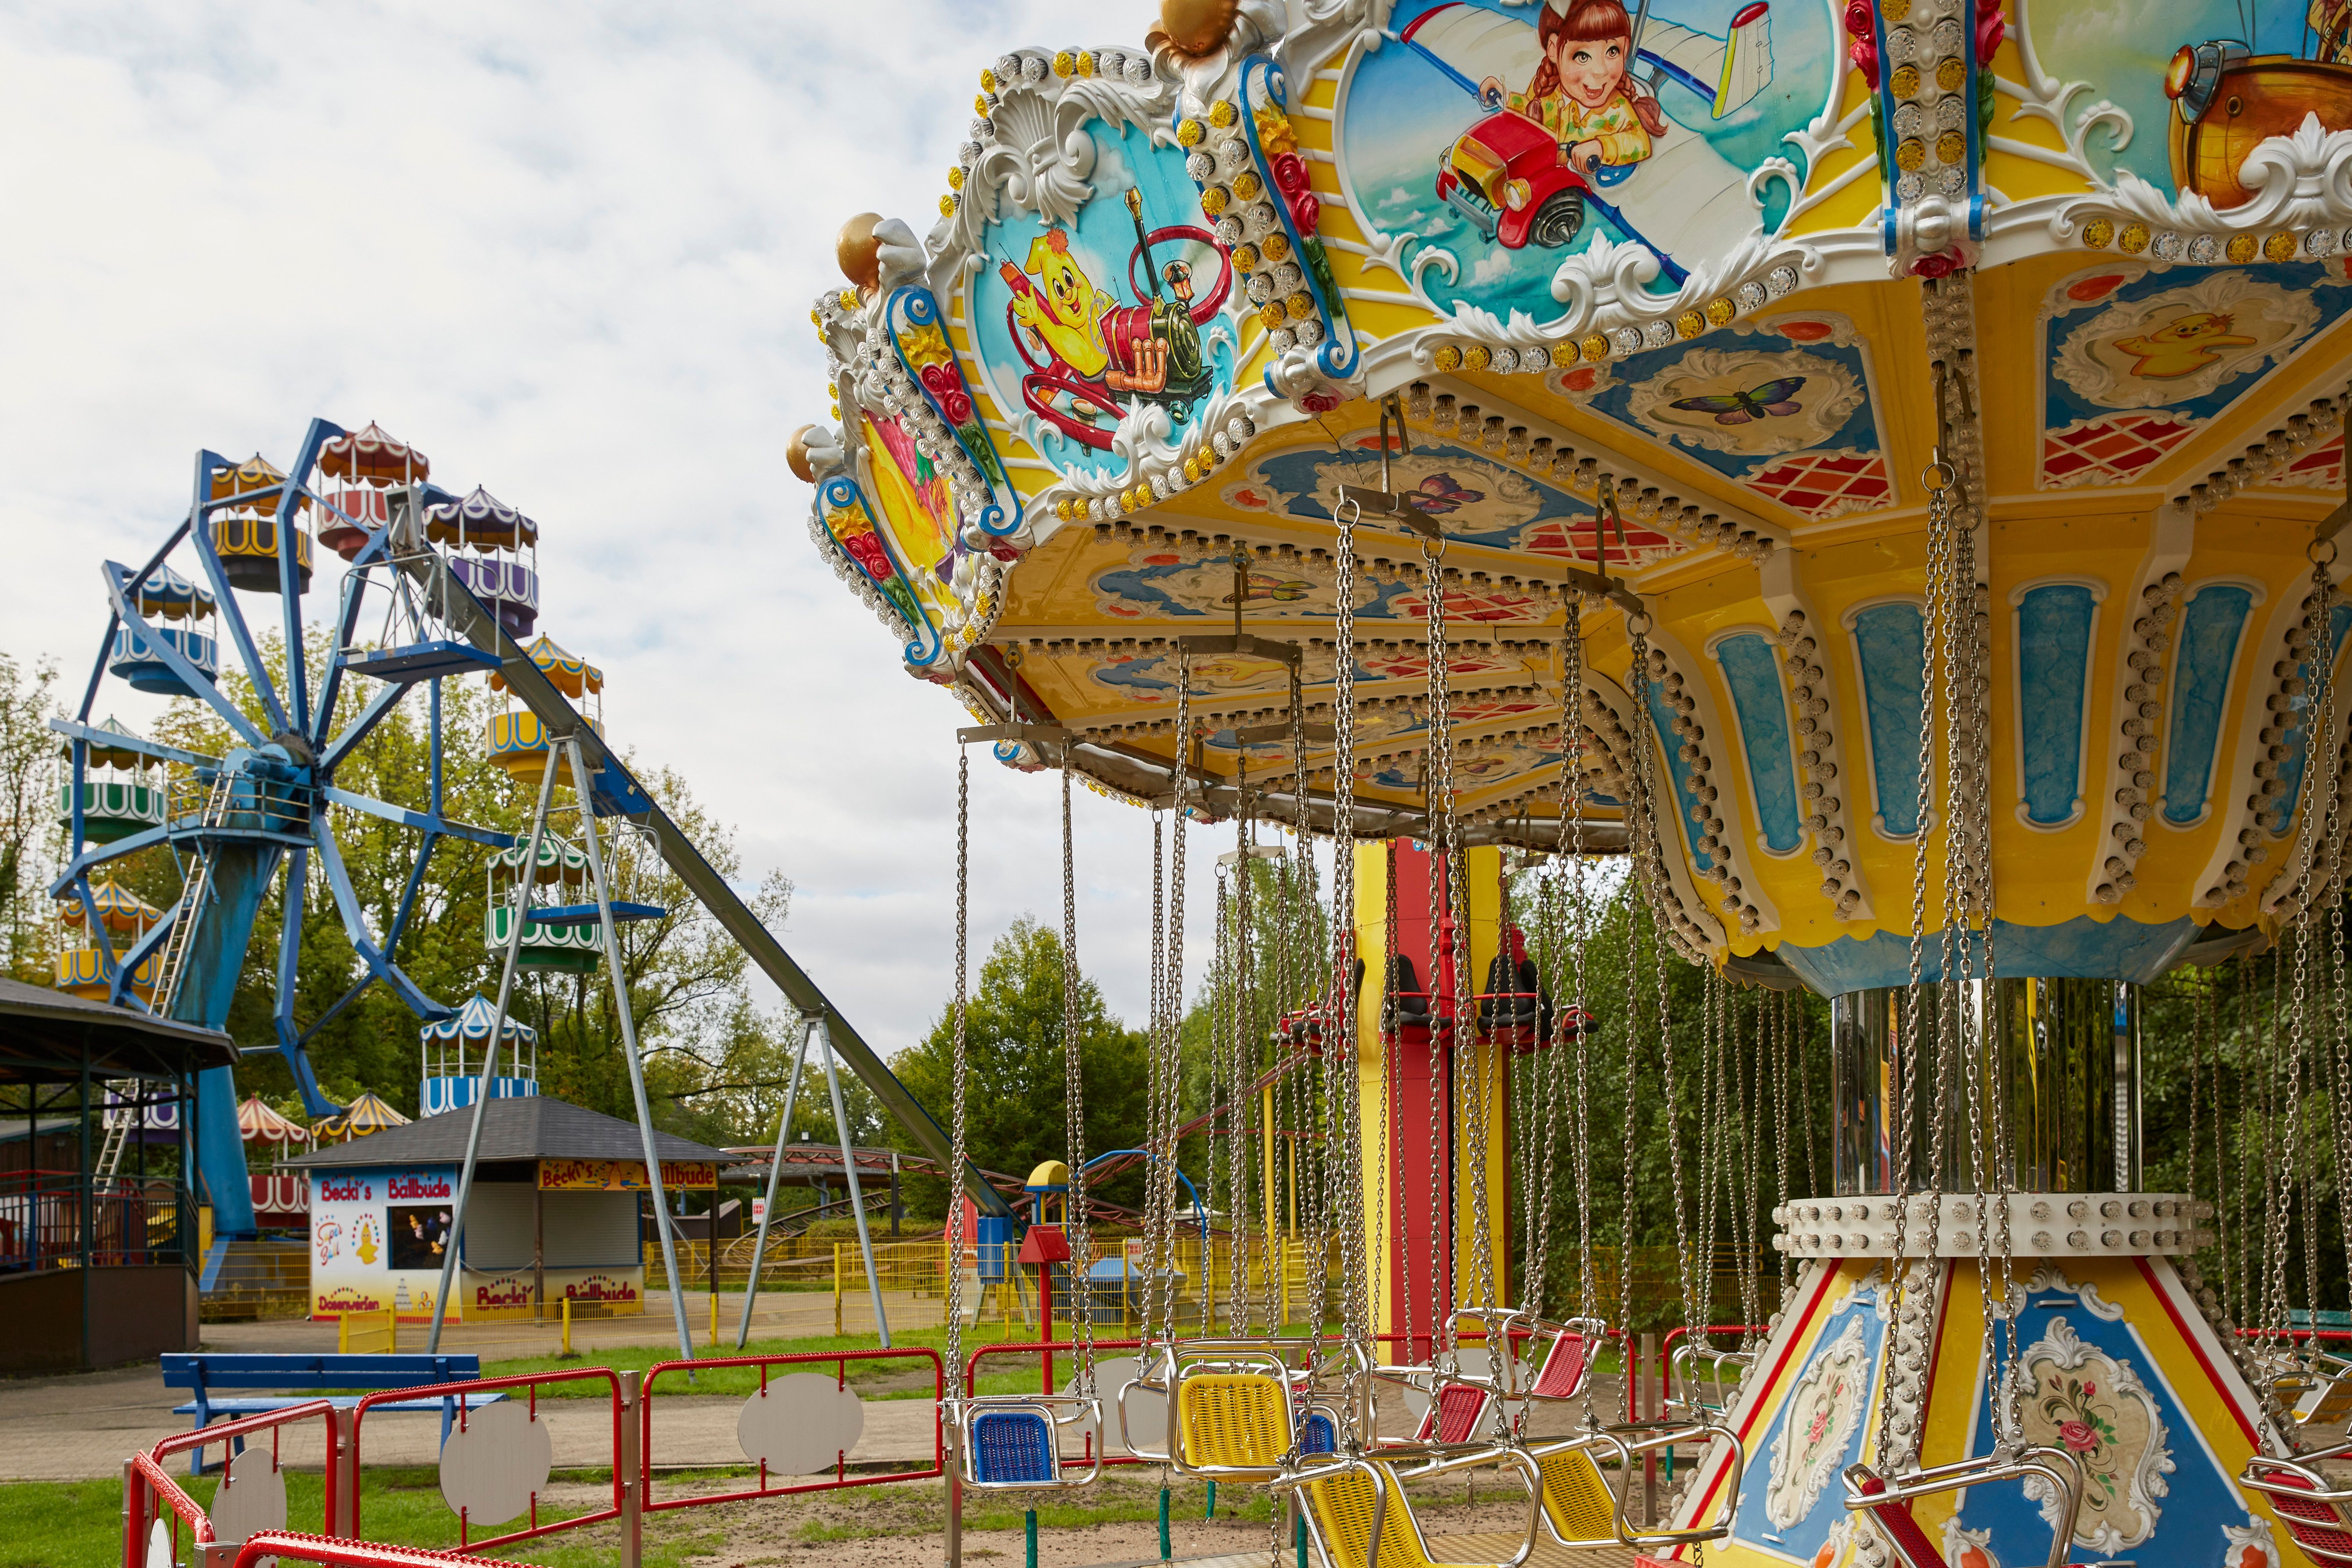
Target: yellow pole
point(343, 1334)
point(714, 1322)
point(836, 1290)
point(567, 1324)
point(392, 1331)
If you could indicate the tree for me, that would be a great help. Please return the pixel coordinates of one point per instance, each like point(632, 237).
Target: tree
point(1015, 1086)
point(29, 836)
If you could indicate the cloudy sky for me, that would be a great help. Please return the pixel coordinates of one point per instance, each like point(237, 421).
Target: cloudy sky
point(569, 251)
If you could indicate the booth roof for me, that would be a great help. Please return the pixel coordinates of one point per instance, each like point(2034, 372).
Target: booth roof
point(532, 1127)
point(47, 1036)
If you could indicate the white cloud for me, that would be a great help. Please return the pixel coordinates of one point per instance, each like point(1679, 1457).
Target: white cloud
point(568, 250)
point(1493, 267)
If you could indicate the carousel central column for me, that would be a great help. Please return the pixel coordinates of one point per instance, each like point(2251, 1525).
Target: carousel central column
point(1422, 1210)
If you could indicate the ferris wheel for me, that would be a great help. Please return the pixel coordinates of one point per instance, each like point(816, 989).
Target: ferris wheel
point(250, 820)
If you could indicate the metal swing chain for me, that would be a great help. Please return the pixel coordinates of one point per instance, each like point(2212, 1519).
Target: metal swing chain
point(1628, 1209)
point(954, 1370)
point(1572, 799)
point(1343, 1142)
point(1171, 1066)
point(1783, 1034)
point(1750, 1116)
point(1074, 1103)
point(1938, 478)
point(1158, 1217)
point(1645, 797)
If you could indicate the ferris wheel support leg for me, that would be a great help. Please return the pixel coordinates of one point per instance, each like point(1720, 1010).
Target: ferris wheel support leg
point(629, 1032)
point(289, 954)
point(857, 1199)
point(775, 1174)
point(491, 1049)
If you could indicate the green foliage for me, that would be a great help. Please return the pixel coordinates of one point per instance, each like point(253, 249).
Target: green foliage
point(30, 839)
point(1016, 1094)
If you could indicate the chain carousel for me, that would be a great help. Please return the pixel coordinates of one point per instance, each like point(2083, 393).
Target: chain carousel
point(1874, 469)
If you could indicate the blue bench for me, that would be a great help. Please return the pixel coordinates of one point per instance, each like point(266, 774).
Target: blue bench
point(205, 1373)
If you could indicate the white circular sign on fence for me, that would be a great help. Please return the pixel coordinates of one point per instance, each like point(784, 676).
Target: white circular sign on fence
point(800, 1423)
point(159, 1546)
point(491, 1470)
point(1146, 1409)
point(252, 1497)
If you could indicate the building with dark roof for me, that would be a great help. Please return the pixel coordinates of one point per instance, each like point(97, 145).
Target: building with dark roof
point(98, 1264)
point(553, 1213)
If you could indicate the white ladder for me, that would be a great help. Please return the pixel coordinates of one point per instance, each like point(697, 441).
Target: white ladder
point(191, 897)
point(119, 1120)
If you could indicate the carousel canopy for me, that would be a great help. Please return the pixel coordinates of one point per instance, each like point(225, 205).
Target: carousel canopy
point(480, 521)
point(167, 593)
point(372, 456)
point(257, 1123)
point(1819, 291)
point(364, 1116)
point(472, 1022)
point(102, 755)
point(573, 676)
point(118, 907)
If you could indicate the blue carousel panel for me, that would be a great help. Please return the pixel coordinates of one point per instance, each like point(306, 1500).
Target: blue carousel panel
point(1891, 639)
point(135, 661)
point(1791, 1496)
point(2211, 626)
point(2053, 668)
point(1753, 673)
point(2153, 1490)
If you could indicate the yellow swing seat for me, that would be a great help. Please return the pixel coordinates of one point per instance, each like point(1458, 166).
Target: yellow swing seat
point(1357, 1516)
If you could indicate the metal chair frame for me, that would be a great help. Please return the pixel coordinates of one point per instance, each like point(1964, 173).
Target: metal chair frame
point(1197, 1358)
point(1387, 1491)
point(1638, 1438)
point(2056, 1466)
point(2319, 1492)
point(1688, 1357)
point(1584, 1442)
point(1082, 1410)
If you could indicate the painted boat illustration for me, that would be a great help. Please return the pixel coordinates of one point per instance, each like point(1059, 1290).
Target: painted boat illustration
point(2228, 101)
point(1507, 176)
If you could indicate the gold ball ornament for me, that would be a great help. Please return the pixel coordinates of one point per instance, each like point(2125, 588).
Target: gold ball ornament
point(1194, 29)
point(858, 251)
point(796, 455)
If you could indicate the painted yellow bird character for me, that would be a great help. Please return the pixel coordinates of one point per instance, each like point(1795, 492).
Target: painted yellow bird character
point(2182, 346)
point(1063, 310)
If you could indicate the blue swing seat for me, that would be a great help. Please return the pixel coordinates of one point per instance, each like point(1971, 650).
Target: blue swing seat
point(1015, 1447)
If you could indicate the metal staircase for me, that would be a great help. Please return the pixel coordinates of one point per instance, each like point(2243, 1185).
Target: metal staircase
point(174, 963)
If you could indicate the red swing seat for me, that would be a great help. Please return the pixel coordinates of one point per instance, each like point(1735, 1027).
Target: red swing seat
point(1889, 1503)
point(2316, 1514)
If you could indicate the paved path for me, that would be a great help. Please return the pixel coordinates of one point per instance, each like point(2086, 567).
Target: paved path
point(84, 1425)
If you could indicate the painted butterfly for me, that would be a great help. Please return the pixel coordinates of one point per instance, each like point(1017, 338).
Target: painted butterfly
point(1440, 495)
point(1740, 407)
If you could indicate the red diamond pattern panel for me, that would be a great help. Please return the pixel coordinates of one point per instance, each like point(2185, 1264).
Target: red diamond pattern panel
point(2109, 450)
point(1825, 484)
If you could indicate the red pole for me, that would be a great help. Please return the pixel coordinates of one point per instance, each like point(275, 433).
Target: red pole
point(1046, 1319)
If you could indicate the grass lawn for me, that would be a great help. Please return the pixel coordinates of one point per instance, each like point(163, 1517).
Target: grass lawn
point(79, 1524)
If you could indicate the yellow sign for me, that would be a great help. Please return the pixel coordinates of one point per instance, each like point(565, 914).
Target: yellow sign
point(622, 1175)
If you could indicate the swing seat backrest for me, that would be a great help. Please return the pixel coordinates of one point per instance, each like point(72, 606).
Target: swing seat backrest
point(1579, 1508)
point(1562, 1376)
point(2320, 1526)
point(2330, 1402)
point(1407, 1005)
point(1014, 1448)
point(1318, 1433)
point(1900, 1530)
point(1453, 1415)
point(1339, 1511)
point(1233, 1421)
